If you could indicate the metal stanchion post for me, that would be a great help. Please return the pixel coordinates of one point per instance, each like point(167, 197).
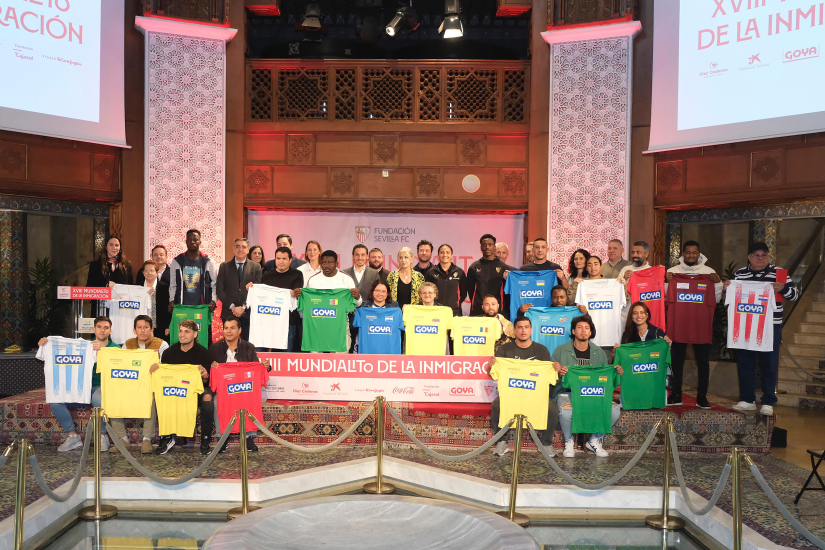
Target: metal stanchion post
point(736, 483)
point(378, 487)
point(98, 510)
point(665, 521)
point(244, 508)
point(20, 502)
point(511, 514)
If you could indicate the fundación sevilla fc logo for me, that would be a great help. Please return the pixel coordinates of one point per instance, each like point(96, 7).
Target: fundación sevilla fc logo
point(362, 232)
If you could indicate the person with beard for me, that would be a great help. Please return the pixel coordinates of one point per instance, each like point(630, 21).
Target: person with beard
point(638, 261)
point(486, 276)
point(424, 250)
point(489, 307)
point(376, 262)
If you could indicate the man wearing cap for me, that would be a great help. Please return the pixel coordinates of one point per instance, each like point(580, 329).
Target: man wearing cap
point(760, 268)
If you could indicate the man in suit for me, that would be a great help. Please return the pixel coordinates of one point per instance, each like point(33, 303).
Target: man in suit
point(364, 277)
point(159, 257)
point(233, 276)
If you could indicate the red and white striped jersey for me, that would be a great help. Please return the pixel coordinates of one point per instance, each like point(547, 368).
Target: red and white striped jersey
point(750, 315)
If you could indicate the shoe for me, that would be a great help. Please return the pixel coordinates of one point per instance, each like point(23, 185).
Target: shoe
point(205, 446)
point(569, 449)
point(146, 447)
point(702, 403)
point(250, 444)
point(72, 442)
point(744, 406)
point(104, 443)
point(595, 446)
point(165, 445)
point(225, 446)
point(674, 400)
point(501, 448)
point(767, 410)
point(550, 449)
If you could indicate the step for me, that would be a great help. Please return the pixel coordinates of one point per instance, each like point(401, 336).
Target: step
point(814, 389)
point(812, 328)
point(796, 375)
point(810, 363)
point(814, 317)
point(800, 401)
point(817, 307)
point(806, 350)
point(808, 338)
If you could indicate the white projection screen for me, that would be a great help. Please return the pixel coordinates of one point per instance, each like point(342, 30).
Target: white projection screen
point(736, 70)
point(62, 69)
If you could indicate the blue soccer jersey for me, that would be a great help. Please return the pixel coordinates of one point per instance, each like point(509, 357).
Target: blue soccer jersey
point(379, 330)
point(529, 287)
point(551, 325)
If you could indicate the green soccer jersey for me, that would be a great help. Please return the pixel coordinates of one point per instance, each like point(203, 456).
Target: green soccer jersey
point(200, 314)
point(591, 394)
point(645, 374)
point(325, 318)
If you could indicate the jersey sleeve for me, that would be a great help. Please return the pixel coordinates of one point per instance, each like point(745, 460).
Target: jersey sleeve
point(399, 322)
point(301, 301)
point(41, 351)
point(565, 380)
point(580, 293)
point(213, 382)
point(497, 329)
point(507, 285)
point(729, 298)
point(198, 383)
point(494, 374)
point(356, 319)
point(617, 378)
point(448, 318)
point(350, 304)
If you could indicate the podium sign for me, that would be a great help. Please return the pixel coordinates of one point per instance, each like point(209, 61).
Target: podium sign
point(84, 293)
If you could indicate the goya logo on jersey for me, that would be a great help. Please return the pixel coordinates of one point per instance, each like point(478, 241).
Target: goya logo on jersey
point(174, 392)
point(68, 359)
point(269, 310)
point(240, 387)
point(426, 329)
point(538, 293)
point(652, 295)
point(640, 368)
point(379, 329)
point(128, 304)
point(592, 391)
point(691, 297)
point(323, 312)
point(601, 304)
point(751, 309)
point(474, 340)
point(523, 384)
point(551, 330)
point(125, 374)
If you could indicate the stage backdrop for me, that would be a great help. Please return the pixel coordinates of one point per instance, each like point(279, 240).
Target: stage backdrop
point(340, 231)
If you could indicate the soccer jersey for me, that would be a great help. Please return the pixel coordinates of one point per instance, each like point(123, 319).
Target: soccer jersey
point(325, 318)
point(176, 389)
point(524, 388)
point(475, 335)
point(238, 386)
point(648, 286)
point(750, 315)
point(591, 394)
point(426, 329)
point(645, 373)
point(125, 382)
point(529, 287)
point(691, 303)
point(269, 315)
point(604, 299)
point(68, 365)
point(379, 330)
point(200, 314)
point(128, 301)
point(551, 325)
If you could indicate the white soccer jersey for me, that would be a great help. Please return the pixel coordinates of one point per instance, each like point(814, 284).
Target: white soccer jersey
point(68, 367)
point(269, 315)
point(604, 299)
point(128, 301)
point(750, 315)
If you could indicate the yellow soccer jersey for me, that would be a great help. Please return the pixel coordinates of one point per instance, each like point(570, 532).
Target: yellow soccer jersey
point(475, 335)
point(125, 382)
point(426, 329)
point(176, 390)
point(524, 388)
point(184, 544)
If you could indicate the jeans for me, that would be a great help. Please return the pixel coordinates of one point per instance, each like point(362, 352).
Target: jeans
point(545, 436)
point(566, 417)
point(677, 356)
point(250, 427)
point(64, 417)
point(768, 361)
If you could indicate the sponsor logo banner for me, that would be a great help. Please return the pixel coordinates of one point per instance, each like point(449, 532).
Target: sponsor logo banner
point(691, 297)
point(68, 359)
point(84, 293)
point(552, 330)
point(592, 391)
point(172, 391)
point(750, 309)
point(640, 368)
point(269, 310)
point(603, 304)
point(125, 374)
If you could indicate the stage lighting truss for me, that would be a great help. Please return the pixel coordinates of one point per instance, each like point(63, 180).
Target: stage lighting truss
point(451, 26)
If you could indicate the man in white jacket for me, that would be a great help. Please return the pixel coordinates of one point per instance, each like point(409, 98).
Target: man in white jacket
point(692, 262)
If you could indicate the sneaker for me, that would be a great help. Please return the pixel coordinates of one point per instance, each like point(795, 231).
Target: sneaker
point(250, 444)
point(550, 449)
point(104, 443)
point(744, 406)
point(767, 410)
point(146, 447)
point(205, 446)
point(674, 400)
point(595, 446)
point(702, 403)
point(225, 446)
point(501, 448)
point(569, 449)
point(165, 445)
point(72, 442)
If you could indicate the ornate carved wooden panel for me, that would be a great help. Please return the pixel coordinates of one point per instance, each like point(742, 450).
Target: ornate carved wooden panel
point(471, 150)
point(387, 94)
point(346, 93)
point(209, 11)
point(515, 93)
point(766, 168)
point(301, 149)
point(103, 172)
point(472, 94)
point(342, 182)
point(429, 95)
point(258, 179)
point(260, 94)
point(670, 177)
point(12, 160)
point(303, 94)
point(428, 184)
point(578, 12)
point(385, 150)
point(513, 182)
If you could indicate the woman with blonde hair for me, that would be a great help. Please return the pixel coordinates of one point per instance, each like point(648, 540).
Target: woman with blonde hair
point(405, 282)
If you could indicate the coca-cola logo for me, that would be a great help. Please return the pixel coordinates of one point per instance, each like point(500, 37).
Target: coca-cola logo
point(409, 390)
point(462, 391)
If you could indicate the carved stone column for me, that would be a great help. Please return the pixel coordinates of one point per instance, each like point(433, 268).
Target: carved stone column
point(590, 98)
point(185, 121)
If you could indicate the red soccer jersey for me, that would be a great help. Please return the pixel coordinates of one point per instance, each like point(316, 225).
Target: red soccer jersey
point(238, 386)
point(691, 302)
point(648, 286)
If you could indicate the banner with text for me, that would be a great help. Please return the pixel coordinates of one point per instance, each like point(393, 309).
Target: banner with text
point(407, 378)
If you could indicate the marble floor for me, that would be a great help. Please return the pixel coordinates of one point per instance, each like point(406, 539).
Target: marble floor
point(805, 431)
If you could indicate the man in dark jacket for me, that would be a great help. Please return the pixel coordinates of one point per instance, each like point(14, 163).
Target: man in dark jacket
point(159, 257)
point(192, 277)
point(283, 275)
point(486, 276)
point(234, 277)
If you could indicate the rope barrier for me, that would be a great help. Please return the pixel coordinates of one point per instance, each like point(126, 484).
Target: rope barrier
point(449, 458)
point(312, 450)
point(5, 456)
point(594, 486)
point(41, 481)
point(816, 375)
point(720, 486)
point(174, 481)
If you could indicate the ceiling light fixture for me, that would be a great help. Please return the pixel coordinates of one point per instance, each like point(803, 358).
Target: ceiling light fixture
point(451, 26)
point(405, 16)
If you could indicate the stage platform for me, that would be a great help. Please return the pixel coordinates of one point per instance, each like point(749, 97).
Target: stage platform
point(437, 425)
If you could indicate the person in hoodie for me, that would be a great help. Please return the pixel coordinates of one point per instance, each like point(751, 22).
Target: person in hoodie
point(449, 279)
point(692, 262)
point(192, 279)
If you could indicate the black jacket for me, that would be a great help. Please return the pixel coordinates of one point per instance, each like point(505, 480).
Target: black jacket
point(230, 291)
point(97, 277)
point(164, 277)
point(452, 286)
point(486, 277)
point(245, 352)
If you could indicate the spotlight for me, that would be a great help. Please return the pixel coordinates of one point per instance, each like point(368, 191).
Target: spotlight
point(451, 25)
point(406, 15)
point(312, 16)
